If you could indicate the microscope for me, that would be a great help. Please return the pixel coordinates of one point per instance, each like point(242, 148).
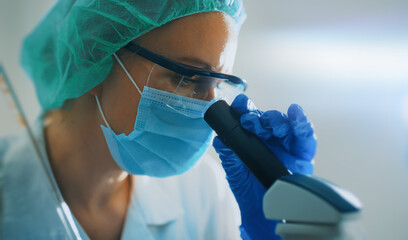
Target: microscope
point(307, 207)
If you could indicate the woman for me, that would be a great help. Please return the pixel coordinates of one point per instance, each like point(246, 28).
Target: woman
point(123, 87)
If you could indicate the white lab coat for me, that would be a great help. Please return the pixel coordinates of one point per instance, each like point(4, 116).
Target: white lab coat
point(195, 205)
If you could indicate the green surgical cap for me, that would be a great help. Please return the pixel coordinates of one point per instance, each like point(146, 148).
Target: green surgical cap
point(70, 51)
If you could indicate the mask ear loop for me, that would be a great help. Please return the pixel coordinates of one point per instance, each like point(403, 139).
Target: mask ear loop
point(148, 78)
point(100, 110)
point(131, 79)
point(127, 73)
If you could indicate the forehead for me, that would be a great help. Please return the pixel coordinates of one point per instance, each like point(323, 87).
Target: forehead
point(205, 36)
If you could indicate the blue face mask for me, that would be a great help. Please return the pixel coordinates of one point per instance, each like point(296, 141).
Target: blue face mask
point(166, 141)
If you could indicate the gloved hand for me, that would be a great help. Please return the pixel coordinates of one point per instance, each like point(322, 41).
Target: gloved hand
point(290, 137)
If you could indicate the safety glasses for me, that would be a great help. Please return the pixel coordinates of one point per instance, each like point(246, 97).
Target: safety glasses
point(191, 81)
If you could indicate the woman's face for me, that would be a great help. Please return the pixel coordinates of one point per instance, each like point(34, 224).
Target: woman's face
point(204, 40)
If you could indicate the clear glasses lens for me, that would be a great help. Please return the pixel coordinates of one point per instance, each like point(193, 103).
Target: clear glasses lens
point(196, 87)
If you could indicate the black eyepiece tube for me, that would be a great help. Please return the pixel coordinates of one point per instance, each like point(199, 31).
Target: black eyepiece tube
point(265, 166)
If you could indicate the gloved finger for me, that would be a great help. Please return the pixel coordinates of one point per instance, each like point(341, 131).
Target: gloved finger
point(303, 167)
point(237, 173)
point(291, 162)
point(220, 147)
point(300, 123)
point(303, 143)
point(269, 124)
point(228, 158)
point(252, 122)
point(242, 104)
point(276, 122)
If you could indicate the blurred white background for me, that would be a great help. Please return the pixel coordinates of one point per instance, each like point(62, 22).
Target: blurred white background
point(345, 62)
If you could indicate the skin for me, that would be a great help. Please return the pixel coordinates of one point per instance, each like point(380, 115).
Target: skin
point(94, 187)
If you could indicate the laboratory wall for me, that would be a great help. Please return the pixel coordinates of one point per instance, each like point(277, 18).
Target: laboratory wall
point(345, 62)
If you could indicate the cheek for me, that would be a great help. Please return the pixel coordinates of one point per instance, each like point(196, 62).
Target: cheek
point(161, 78)
point(120, 100)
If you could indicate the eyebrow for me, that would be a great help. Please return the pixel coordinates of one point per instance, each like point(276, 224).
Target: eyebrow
point(197, 63)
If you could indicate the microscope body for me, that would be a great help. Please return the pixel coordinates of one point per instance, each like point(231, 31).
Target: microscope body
point(312, 208)
point(306, 206)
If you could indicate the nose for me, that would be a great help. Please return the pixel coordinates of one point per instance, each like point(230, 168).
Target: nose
point(210, 93)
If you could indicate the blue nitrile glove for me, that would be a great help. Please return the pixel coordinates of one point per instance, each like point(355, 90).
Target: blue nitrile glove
point(290, 137)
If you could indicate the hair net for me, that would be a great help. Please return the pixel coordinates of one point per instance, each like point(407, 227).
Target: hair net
point(70, 51)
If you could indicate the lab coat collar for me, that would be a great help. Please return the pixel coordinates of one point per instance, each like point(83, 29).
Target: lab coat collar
point(158, 199)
